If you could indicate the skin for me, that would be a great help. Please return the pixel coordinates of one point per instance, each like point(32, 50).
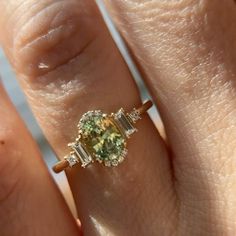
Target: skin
point(186, 51)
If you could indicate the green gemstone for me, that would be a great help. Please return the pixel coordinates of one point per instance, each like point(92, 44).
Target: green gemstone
point(102, 137)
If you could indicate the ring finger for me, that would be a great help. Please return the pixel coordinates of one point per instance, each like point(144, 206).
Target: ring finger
point(68, 64)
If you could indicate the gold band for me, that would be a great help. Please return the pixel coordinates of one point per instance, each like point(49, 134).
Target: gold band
point(60, 166)
point(63, 164)
point(146, 106)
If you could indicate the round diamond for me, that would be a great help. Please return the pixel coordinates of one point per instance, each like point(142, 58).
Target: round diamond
point(102, 137)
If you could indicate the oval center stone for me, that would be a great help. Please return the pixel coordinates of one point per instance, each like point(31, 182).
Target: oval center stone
point(102, 137)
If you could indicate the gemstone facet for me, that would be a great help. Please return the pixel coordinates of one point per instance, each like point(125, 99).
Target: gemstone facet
point(134, 115)
point(102, 138)
point(124, 123)
point(72, 159)
point(81, 153)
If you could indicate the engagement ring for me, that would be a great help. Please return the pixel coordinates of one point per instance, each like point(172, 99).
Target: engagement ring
point(102, 138)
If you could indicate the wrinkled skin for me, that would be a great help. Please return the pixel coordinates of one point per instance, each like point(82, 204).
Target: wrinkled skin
point(67, 64)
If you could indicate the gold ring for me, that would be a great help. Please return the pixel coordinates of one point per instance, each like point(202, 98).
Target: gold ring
point(102, 138)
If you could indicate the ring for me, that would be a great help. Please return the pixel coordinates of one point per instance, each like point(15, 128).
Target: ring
point(102, 138)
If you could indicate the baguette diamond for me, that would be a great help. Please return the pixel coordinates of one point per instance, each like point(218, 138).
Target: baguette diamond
point(102, 138)
point(124, 123)
point(81, 153)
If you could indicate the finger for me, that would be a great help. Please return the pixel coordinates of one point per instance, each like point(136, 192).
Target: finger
point(29, 200)
point(187, 51)
point(83, 71)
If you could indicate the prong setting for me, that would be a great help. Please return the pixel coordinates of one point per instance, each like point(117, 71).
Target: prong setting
point(80, 151)
point(72, 159)
point(102, 138)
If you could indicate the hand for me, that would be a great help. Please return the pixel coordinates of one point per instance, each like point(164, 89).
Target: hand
point(67, 64)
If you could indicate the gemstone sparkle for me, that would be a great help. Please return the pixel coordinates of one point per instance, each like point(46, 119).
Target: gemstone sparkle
point(102, 137)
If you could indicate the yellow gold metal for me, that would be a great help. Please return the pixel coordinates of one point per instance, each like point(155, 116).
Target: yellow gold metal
point(80, 153)
point(60, 166)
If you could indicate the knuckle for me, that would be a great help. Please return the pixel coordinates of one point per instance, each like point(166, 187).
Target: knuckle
point(51, 36)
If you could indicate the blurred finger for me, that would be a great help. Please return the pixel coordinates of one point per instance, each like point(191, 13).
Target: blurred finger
point(29, 200)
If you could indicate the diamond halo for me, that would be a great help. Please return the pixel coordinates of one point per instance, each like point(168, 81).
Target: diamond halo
point(102, 138)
